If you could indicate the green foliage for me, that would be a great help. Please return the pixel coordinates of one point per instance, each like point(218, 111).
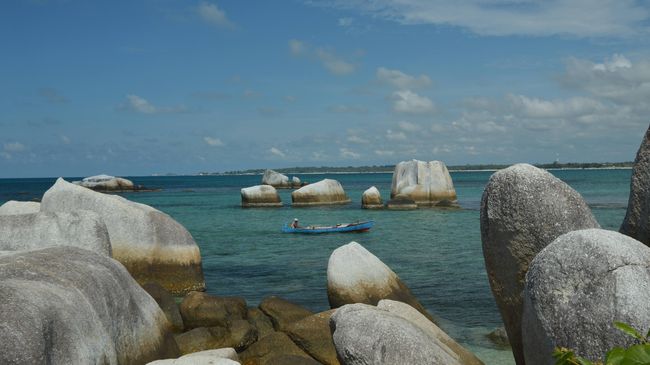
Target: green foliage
point(638, 354)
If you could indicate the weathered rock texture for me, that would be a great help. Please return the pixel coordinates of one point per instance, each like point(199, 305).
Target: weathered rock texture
point(324, 192)
point(260, 196)
point(312, 334)
point(148, 242)
point(66, 305)
point(260, 321)
point(427, 183)
point(577, 287)
point(82, 229)
point(354, 275)
point(223, 356)
point(15, 207)
point(275, 179)
point(168, 305)
point(282, 312)
point(371, 199)
point(401, 202)
point(106, 183)
point(523, 209)
point(269, 347)
point(295, 182)
point(363, 335)
point(203, 310)
point(409, 313)
point(637, 220)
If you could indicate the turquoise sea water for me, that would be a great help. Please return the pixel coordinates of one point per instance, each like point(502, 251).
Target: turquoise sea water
point(437, 253)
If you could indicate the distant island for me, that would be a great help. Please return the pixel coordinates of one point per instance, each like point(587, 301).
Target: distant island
point(391, 168)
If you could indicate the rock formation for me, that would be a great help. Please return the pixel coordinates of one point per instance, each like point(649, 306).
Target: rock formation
point(637, 218)
point(149, 243)
point(106, 183)
point(354, 275)
point(401, 202)
point(82, 228)
point(282, 312)
point(364, 334)
point(523, 209)
point(295, 182)
point(67, 305)
point(222, 356)
point(15, 207)
point(324, 192)
point(312, 335)
point(275, 179)
point(426, 183)
point(577, 287)
point(260, 196)
point(204, 310)
point(371, 199)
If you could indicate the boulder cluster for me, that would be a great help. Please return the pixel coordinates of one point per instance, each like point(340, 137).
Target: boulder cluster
point(558, 279)
point(107, 183)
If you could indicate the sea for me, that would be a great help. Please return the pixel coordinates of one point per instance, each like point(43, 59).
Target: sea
point(436, 252)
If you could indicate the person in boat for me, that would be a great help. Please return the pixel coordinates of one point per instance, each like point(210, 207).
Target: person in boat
point(294, 224)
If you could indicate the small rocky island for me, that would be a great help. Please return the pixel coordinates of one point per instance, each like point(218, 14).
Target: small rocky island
point(110, 184)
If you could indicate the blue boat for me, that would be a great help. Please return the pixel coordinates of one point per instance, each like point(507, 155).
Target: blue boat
point(347, 227)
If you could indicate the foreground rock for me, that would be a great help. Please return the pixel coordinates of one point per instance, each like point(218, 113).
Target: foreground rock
point(371, 199)
point(312, 334)
point(148, 242)
point(66, 305)
point(260, 321)
point(363, 335)
point(223, 356)
point(426, 183)
point(577, 287)
point(523, 209)
point(39, 230)
point(269, 350)
point(275, 179)
point(354, 275)
point(15, 207)
point(637, 219)
point(203, 310)
point(168, 305)
point(324, 192)
point(282, 312)
point(260, 196)
point(107, 183)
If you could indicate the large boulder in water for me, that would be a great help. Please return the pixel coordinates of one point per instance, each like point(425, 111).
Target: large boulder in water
point(577, 287)
point(149, 243)
point(523, 209)
point(260, 196)
point(16, 207)
point(106, 183)
point(275, 179)
point(354, 275)
point(426, 183)
point(364, 334)
point(67, 305)
point(637, 219)
point(82, 228)
point(371, 199)
point(324, 192)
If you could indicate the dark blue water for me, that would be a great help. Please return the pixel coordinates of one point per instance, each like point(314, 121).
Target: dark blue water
point(436, 252)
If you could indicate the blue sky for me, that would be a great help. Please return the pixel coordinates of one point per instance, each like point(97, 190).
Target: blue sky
point(144, 87)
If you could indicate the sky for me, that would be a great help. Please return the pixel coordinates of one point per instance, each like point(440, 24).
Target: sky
point(135, 88)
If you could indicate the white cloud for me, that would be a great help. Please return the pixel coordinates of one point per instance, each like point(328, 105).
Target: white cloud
point(334, 64)
point(406, 101)
point(290, 98)
point(347, 109)
point(215, 142)
point(357, 140)
point(5, 155)
point(297, 47)
point(395, 136)
point(345, 22)
point(384, 152)
point(139, 104)
point(277, 152)
point(348, 154)
point(408, 126)
point(540, 108)
point(401, 80)
point(581, 18)
point(14, 147)
point(212, 14)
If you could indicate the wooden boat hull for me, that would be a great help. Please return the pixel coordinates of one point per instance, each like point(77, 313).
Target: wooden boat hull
point(341, 228)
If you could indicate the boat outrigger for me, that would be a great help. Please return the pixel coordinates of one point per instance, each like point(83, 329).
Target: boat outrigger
point(346, 227)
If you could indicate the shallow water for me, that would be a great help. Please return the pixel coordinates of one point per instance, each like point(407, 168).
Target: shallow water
point(437, 253)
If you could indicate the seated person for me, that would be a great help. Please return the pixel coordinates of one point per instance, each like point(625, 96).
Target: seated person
point(294, 224)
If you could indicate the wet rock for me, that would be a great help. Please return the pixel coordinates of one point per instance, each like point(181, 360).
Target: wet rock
point(275, 179)
point(499, 337)
point(16, 207)
point(324, 192)
point(268, 347)
point(83, 229)
point(401, 202)
point(204, 310)
point(260, 321)
point(637, 219)
point(202, 338)
point(67, 305)
point(167, 303)
point(312, 335)
point(282, 312)
point(363, 334)
point(354, 275)
point(242, 334)
point(260, 196)
point(577, 287)
point(426, 183)
point(371, 199)
point(149, 243)
point(523, 209)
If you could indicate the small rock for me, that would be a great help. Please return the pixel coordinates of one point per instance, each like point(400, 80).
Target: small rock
point(324, 192)
point(268, 347)
point(201, 339)
point(283, 312)
point(260, 196)
point(167, 303)
point(499, 337)
point(242, 334)
point(312, 334)
point(204, 310)
point(371, 199)
point(260, 321)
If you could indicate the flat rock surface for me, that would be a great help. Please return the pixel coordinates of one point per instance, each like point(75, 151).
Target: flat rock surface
point(17, 207)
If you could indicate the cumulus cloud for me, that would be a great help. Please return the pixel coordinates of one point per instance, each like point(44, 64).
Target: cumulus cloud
point(580, 18)
point(277, 152)
point(384, 153)
point(357, 140)
point(212, 14)
point(214, 142)
point(348, 154)
point(395, 136)
point(297, 47)
point(345, 22)
point(327, 57)
point(14, 147)
point(401, 80)
point(408, 126)
point(406, 101)
point(138, 104)
point(540, 108)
